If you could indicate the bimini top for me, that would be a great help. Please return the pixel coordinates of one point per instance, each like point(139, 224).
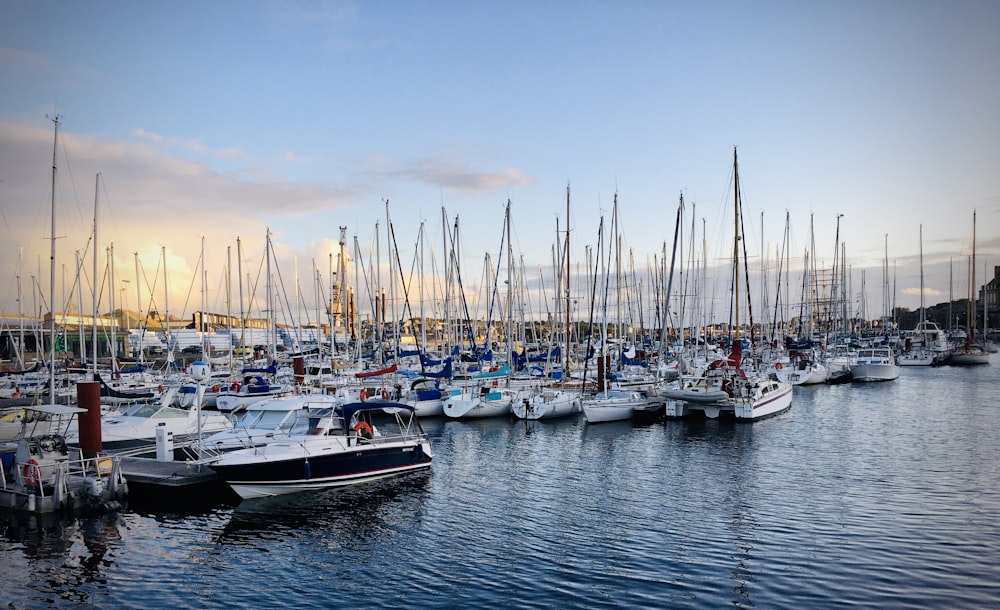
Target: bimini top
point(351, 408)
point(54, 409)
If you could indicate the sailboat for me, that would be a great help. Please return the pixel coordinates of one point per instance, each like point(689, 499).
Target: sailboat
point(919, 343)
point(971, 352)
point(551, 402)
point(489, 393)
point(726, 386)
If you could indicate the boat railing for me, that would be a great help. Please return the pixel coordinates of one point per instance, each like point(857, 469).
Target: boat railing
point(52, 478)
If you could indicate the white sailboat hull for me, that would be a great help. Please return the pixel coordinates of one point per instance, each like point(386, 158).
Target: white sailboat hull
point(492, 404)
point(547, 405)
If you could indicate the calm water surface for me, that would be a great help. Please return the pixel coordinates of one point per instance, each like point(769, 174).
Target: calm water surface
point(867, 495)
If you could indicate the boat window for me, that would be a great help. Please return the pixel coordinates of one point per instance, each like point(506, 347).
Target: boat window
point(141, 410)
point(249, 420)
point(271, 420)
point(171, 412)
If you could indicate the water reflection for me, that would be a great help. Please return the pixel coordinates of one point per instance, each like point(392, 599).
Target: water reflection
point(63, 555)
point(349, 516)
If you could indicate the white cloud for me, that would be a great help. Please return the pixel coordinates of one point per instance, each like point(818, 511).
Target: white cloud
point(148, 199)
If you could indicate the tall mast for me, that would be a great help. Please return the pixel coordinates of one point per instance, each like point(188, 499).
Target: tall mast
point(566, 360)
point(971, 319)
point(138, 304)
point(736, 243)
point(243, 319)
point(52, 272)
point(923, 313)
point(97, 190)
point(166, 308)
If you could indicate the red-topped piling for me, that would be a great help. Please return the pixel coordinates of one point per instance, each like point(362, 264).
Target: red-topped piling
point(299, 367)
point(88, 396)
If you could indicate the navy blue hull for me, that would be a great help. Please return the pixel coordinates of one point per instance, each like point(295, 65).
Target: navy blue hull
point(335, 468)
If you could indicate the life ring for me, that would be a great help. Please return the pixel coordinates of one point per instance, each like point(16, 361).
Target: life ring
point(32, 473)
point(385, 394)
point(235, 387)
point(215, 389)
point(363, 429)
point(364, 395)
point(777, 366)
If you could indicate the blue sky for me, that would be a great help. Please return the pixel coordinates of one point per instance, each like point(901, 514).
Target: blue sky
point(220, 119)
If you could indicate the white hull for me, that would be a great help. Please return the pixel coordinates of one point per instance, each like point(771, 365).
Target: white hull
point(264, 490)
point(813, 374)
point(970, 356)
point(750, 401)
point(232, 402)
point(615, 406)
point(874, 372)
point(916, 359)
point(766, 405)
point(427, 408)
point(493, 404)
point(547, 405)
point(875, 364)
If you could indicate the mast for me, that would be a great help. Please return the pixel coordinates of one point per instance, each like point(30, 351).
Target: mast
point(566, 359)
point(229, 302)
point(923, 313)
point(138, 304)
point(736, 245)
point(243, 320)
point(20, 312)
point(97, 190)
point(970, 320)
point(166, 309)
point(52, 272)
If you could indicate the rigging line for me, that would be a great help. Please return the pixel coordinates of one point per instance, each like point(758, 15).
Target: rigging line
point(72, 180)
point(402, 280)
point(496, 279)
point(194, 277)
point(452, 238)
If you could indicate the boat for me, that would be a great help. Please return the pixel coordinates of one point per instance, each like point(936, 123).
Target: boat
point(547, 403)
point(253, 388)
point(804, 370)
point(41, 473)
point(476, 400)
point(923, 345)
point(136, 427)
point(426, 397)
point(348, 444)
point(971, 353)
point(726, 387)
point(610, 405)
point(268, 421)
point(875, 364)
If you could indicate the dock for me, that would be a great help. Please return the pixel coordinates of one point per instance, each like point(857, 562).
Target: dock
point(174, 485)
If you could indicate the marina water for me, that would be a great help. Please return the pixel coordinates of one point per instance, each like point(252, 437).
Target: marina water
point(872, 495)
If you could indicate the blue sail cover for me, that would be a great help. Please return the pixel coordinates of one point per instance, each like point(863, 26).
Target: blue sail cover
point(270, 370)
point(503, 371)
point(425, 361)
point(444, 373)
point(793, 343)
point(553, 355)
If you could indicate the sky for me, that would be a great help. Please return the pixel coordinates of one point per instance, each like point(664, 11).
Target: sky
point(216, 121)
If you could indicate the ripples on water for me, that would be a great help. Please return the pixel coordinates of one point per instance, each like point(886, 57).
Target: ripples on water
point(872, 495)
